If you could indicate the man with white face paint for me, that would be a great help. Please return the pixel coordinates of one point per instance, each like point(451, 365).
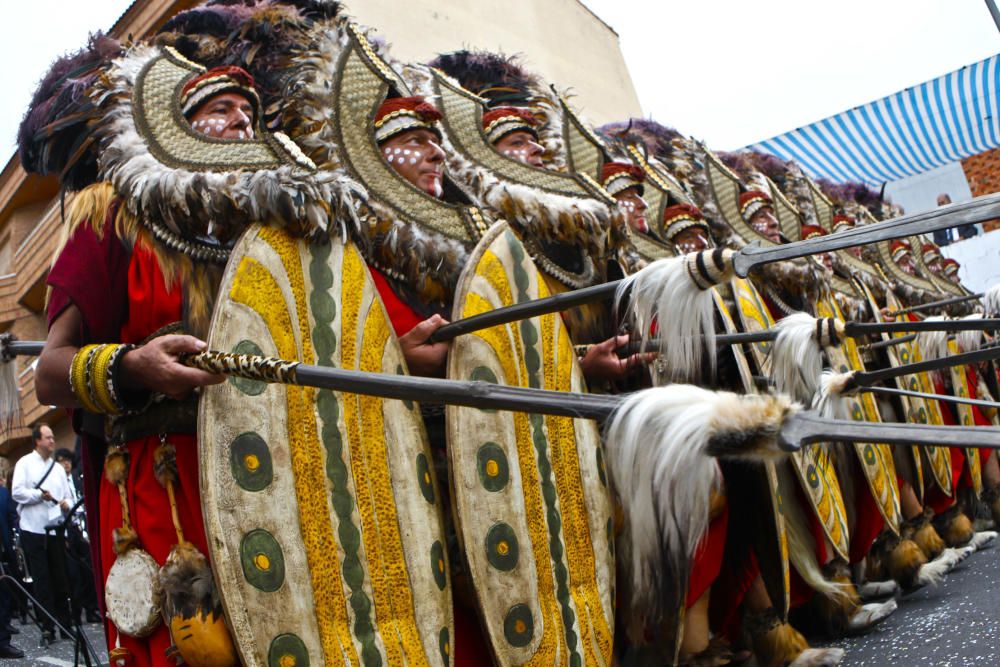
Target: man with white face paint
point(513, 132)
point(624, 182)
point(757, 210)
point(685, 227)
point(407, 133)
point(221, 103)
point(409, 138)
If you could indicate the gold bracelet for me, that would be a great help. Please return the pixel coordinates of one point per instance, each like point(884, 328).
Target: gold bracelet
point(78, 378)
point(99, 379)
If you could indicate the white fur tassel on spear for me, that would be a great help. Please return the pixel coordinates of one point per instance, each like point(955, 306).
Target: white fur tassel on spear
point(660, 444)
point(671, 299)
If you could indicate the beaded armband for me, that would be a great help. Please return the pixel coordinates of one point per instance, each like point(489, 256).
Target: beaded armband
point(79, 377)
point(94, 379)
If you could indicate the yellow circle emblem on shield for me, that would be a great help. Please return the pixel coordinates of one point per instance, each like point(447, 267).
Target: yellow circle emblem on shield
point(263, 563)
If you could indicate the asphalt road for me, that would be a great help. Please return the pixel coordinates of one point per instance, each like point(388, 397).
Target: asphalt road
point(954, 625)
point(58, 654)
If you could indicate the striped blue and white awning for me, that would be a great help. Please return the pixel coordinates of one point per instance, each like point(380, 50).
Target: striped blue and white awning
point(908, 133)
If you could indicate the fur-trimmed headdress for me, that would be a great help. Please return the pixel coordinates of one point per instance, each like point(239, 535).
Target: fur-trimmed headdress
point(402, 114)
point(899, 249)
point(680, 217)
point(812, 231)
point(617, 177)
point(842, 222)
point(216, 81)
point(931, 252)
point(950, 267)
point(754, 201)
point(501, 121)
point(258, 35)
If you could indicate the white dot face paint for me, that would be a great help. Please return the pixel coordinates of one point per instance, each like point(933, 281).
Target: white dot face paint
point(413, 160)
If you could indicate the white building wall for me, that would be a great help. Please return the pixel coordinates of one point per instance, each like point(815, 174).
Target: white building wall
point(980, 260)
point(561, 40)
point(919, 193)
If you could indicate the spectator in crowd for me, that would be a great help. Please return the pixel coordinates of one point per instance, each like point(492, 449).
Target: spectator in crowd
point(42, 494)
point(8, 517)
point(81, 576)
point(943, 237)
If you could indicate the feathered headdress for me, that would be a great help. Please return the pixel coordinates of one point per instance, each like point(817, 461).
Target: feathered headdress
point(501, 79)
point(56, 134)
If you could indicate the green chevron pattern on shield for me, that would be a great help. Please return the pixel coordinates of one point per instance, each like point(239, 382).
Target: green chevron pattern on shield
point(531, 494)
point(321, 508)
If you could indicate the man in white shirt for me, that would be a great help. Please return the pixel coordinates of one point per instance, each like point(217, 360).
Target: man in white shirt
point(42, 494)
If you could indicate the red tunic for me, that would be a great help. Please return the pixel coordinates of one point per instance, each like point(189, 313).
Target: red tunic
point(89, 274)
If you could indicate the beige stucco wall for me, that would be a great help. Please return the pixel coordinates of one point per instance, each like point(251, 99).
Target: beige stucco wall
point(559, 39)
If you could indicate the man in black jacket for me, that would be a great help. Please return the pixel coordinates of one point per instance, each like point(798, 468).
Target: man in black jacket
point(8, 517)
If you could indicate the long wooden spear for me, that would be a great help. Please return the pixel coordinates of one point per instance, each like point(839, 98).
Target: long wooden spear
point(936, 304)
point(851, 329)
point(798, 429)
point(976, 210)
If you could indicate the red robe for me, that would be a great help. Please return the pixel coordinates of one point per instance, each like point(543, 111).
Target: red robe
point(113, 287)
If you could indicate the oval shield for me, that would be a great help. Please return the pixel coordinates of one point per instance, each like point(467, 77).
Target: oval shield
point(875, 459)
point(531, 495)
point(813, 466)
point(321, 509)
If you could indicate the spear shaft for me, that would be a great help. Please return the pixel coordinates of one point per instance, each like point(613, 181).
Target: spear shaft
point(936, 304)
point(798, 429)
point(976, 210)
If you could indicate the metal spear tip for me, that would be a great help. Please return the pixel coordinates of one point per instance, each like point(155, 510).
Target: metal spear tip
point(743, 259)
point(795, 429)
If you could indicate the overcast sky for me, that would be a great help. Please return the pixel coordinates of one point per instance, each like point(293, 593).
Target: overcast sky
point(727, 71)
point(733, 72)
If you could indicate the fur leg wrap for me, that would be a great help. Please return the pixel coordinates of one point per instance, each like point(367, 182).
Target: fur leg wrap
point(922, 531)
point(991, 497)
point(777, 644)
point(954, 526)
point(660, 444)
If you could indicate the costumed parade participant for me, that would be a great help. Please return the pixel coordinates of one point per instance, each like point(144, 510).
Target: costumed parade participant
point(132, 291)
point(242, 515)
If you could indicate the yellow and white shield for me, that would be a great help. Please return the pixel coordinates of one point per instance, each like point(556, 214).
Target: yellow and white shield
point(813, 466)
point(530, 491)
point(321, 508)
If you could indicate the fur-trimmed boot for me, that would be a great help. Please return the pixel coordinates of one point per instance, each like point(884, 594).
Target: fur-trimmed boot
point(922, 531)
point(718, 653)
point(954, 526)
point(906, 564)
point(777, 644)
point(991, 498)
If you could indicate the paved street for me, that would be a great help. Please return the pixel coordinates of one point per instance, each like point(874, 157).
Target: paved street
point(60, 653)
point(955, 625)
